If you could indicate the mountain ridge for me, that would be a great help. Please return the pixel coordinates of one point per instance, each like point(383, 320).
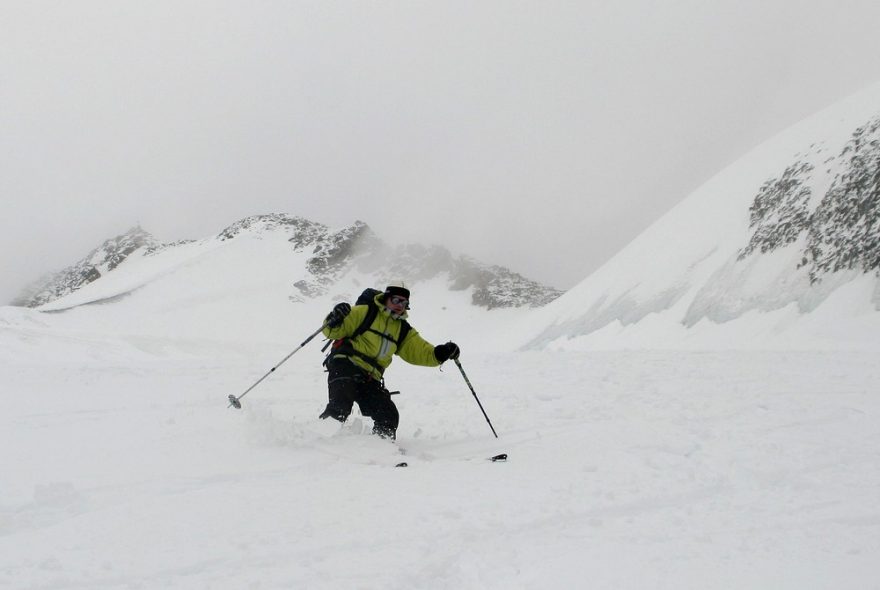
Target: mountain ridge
point(751, 254)
point(330, 254)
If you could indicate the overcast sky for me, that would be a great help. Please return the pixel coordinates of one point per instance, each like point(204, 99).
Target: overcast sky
point(539, 135)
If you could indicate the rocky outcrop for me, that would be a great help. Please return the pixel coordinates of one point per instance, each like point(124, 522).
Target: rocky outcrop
point(840, 230)
point(100, 261)
point(332, 254)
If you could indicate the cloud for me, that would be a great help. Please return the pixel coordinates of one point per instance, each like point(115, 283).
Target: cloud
point(539, 135)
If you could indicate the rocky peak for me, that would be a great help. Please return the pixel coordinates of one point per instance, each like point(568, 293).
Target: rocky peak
point(301, 231)
point(496, 286)
point(493, 286)
point(840, 228)
point(333, 253)
point(98, 262)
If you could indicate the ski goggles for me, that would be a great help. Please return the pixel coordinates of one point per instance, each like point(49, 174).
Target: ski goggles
point(398, 300)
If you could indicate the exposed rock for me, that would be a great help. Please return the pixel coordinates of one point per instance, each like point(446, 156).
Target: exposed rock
point(842, 230)
point(333, 254)
point(100, 261)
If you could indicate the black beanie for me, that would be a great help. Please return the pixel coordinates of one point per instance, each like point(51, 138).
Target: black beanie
point(391, 290)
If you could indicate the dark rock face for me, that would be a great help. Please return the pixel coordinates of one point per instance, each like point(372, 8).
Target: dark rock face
point(842, 230)
point(496, 286)
point(333, 252)
point(845, 229)
point(780, 212)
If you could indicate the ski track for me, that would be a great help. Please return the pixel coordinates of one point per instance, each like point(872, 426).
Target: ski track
point(626, 470)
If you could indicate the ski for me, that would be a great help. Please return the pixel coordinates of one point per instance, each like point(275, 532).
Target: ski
point(500, 458)
point(363, 454)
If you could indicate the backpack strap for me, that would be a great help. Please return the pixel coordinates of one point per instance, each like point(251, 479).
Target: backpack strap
point(372, 312)
point(367, 326)
point(343, 345)
point(404, 332)
point(345, 348)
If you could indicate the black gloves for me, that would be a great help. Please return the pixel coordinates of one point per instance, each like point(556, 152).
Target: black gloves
point(337, 316)
point(447, 351)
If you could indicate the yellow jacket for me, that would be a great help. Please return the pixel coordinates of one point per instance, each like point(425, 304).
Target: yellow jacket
point(379, 341)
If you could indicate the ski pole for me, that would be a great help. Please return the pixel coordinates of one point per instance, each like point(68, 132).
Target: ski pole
point(468, 381)
point(235, 402)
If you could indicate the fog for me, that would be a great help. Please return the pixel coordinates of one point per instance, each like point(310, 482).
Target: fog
point(542, 136)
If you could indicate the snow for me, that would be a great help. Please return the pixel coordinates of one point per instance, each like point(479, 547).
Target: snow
point(124, 468)
point(686, 267)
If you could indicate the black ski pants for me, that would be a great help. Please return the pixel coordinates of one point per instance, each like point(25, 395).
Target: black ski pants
point(348, 384)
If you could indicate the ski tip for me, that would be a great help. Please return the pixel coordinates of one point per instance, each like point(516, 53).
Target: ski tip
point(401, 464)
point(497, 458)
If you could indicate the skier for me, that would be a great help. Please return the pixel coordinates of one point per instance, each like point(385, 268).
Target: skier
point(365, 338)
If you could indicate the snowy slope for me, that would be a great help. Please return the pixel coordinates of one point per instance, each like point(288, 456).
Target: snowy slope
point(726, 267)
point(123, 468)
point(324, 258)
point(255, 282)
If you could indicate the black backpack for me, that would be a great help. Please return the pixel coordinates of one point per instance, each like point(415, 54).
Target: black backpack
point(343, 346)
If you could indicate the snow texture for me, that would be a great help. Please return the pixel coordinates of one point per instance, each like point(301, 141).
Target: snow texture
point(124, 468)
